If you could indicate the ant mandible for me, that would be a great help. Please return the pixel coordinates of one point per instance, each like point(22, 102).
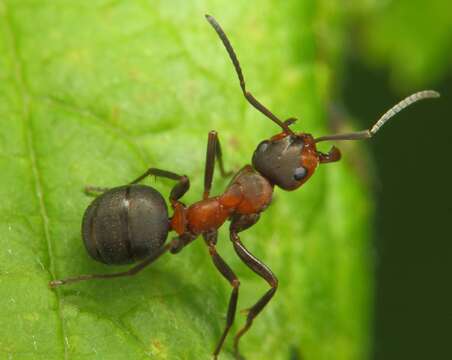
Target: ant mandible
point(130, 223)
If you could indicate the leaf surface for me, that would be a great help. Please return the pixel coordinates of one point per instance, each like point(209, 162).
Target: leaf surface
point(95, 93)
point(412, 37)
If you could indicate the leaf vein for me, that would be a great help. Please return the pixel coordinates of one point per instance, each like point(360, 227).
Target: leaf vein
point(29, 141)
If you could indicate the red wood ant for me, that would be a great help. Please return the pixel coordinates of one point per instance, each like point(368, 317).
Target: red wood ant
point(130, 223)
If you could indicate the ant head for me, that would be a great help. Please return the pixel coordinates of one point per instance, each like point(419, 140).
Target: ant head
point(287, 160)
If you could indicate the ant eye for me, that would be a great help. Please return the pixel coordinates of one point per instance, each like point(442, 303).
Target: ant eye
point(300, 173)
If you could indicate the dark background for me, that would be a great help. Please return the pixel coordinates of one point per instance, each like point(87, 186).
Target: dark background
point(414, 214)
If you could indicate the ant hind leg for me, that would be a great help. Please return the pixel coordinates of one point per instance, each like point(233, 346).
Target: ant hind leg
point(174, 244)
point(228, 274)
point(238, 224)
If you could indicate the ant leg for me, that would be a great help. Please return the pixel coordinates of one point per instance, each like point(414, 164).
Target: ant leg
point(157, 173)
point(179, 189)
point(132, 271)
point(181, 241)
point(174, 244)
point(182, 186)
point(226, 271)
point(239, 224)
point(176, 193)
point(219, 155)
point(213, 151)
point(212, 141)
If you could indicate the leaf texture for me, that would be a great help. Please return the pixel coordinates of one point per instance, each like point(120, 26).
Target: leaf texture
point(95, 92)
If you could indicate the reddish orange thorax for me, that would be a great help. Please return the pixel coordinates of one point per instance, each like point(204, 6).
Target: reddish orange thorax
point(248, 193)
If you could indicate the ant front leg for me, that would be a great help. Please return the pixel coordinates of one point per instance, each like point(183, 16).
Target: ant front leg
point(240, 223)
point(213, 151)
point(226, 271)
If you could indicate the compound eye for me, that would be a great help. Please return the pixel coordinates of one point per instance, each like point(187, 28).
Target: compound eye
point(300, 173)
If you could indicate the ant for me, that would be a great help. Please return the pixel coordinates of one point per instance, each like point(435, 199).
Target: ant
point(130, 223)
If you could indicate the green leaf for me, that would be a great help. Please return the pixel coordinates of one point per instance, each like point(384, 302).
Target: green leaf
point(95, 92)
point(412, 37)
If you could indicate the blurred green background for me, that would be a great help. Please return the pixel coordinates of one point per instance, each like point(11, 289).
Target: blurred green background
point(413, 211)
point(94, 92)
point(396, 47)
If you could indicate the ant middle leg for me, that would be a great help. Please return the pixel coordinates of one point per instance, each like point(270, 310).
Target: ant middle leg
point(226, 271)
point(240, 223)
point(213, 152)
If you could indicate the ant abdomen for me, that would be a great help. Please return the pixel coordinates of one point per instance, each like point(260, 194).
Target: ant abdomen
point(125, 224)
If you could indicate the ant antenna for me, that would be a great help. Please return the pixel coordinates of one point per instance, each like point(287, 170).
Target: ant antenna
point(367, 134)
point(235, 61)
